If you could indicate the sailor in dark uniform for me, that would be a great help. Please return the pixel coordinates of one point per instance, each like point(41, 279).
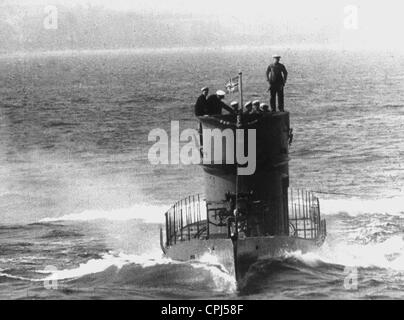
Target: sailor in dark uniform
point(277, 77)
point(256, 107)
point(216, 105)
point(264, 108)
point(201, 105)
point(248, 108)
point(234, 106)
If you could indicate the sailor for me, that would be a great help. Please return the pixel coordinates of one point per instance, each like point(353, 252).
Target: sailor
point(256, 107)
point(201, 105)
point(277, 77)
point(234, 106)
point(216, 105)
point(248, 107)
point(264, 108)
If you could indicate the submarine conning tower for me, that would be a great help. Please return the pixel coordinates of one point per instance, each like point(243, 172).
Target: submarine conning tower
point(261, 198)
point(244, 216)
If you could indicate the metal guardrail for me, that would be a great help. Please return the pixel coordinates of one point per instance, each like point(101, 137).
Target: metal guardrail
point(304, 215)
point(189, 219)
point(186, 220)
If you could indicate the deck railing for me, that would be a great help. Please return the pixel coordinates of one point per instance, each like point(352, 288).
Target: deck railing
point(304, 215)
point(186, 220)
point(189, 219)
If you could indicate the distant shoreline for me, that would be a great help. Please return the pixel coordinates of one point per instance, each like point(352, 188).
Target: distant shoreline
point(149, 50)
point(160, 50)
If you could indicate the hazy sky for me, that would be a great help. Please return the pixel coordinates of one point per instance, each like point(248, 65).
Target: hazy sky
point(380, 23)
point(251, 9)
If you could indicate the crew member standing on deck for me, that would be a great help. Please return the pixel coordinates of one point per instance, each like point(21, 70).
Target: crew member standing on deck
point(216, 105)
point(277, 77)
point(201, 105)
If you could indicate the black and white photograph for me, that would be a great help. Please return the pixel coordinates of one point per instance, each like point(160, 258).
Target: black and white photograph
point(214, 150)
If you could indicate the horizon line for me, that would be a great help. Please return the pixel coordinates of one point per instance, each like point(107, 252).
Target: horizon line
point(190, 49)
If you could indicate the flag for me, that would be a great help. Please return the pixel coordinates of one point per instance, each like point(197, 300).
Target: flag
point(232, 85)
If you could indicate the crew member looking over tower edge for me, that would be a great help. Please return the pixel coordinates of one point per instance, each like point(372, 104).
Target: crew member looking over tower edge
point(216, 105)
point(248, 107)
point(201, 105)
point(277, 77)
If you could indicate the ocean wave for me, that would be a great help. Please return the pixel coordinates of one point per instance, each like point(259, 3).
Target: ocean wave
point(80, 100)
point(98, 265)
point(150, 270)
point(61, 234)
point(393, 106)
point(220, 276)
point(357, 206)
point(59, 124)
point(144, 212)
point(310, 259)
point(12, 227)
point(155, 213)
point(18, 247)
point(388, 254)
point(13, 277)
point(11, 106)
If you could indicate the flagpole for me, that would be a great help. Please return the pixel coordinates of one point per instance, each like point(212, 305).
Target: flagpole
point(240, 83)
point(239, 112)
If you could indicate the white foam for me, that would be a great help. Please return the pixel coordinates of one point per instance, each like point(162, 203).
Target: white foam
point(388, 254)
point(155, 213)
point(311, 259)
point(108, 260)
point(356, 206)
point(147, 213)
point(14, 277)
point(223, 280)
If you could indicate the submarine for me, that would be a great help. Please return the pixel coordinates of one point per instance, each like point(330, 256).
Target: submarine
point(241, 219)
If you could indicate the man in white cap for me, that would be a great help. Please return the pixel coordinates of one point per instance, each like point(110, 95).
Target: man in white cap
point(264, 108)
point(216, 105)
point(248, 107)
point(256, 107)
point(201, 105)
point(277, 76)
point(234, 106)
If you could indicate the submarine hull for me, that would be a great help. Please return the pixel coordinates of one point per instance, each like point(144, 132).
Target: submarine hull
point(238, 256)
point(241, 219)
